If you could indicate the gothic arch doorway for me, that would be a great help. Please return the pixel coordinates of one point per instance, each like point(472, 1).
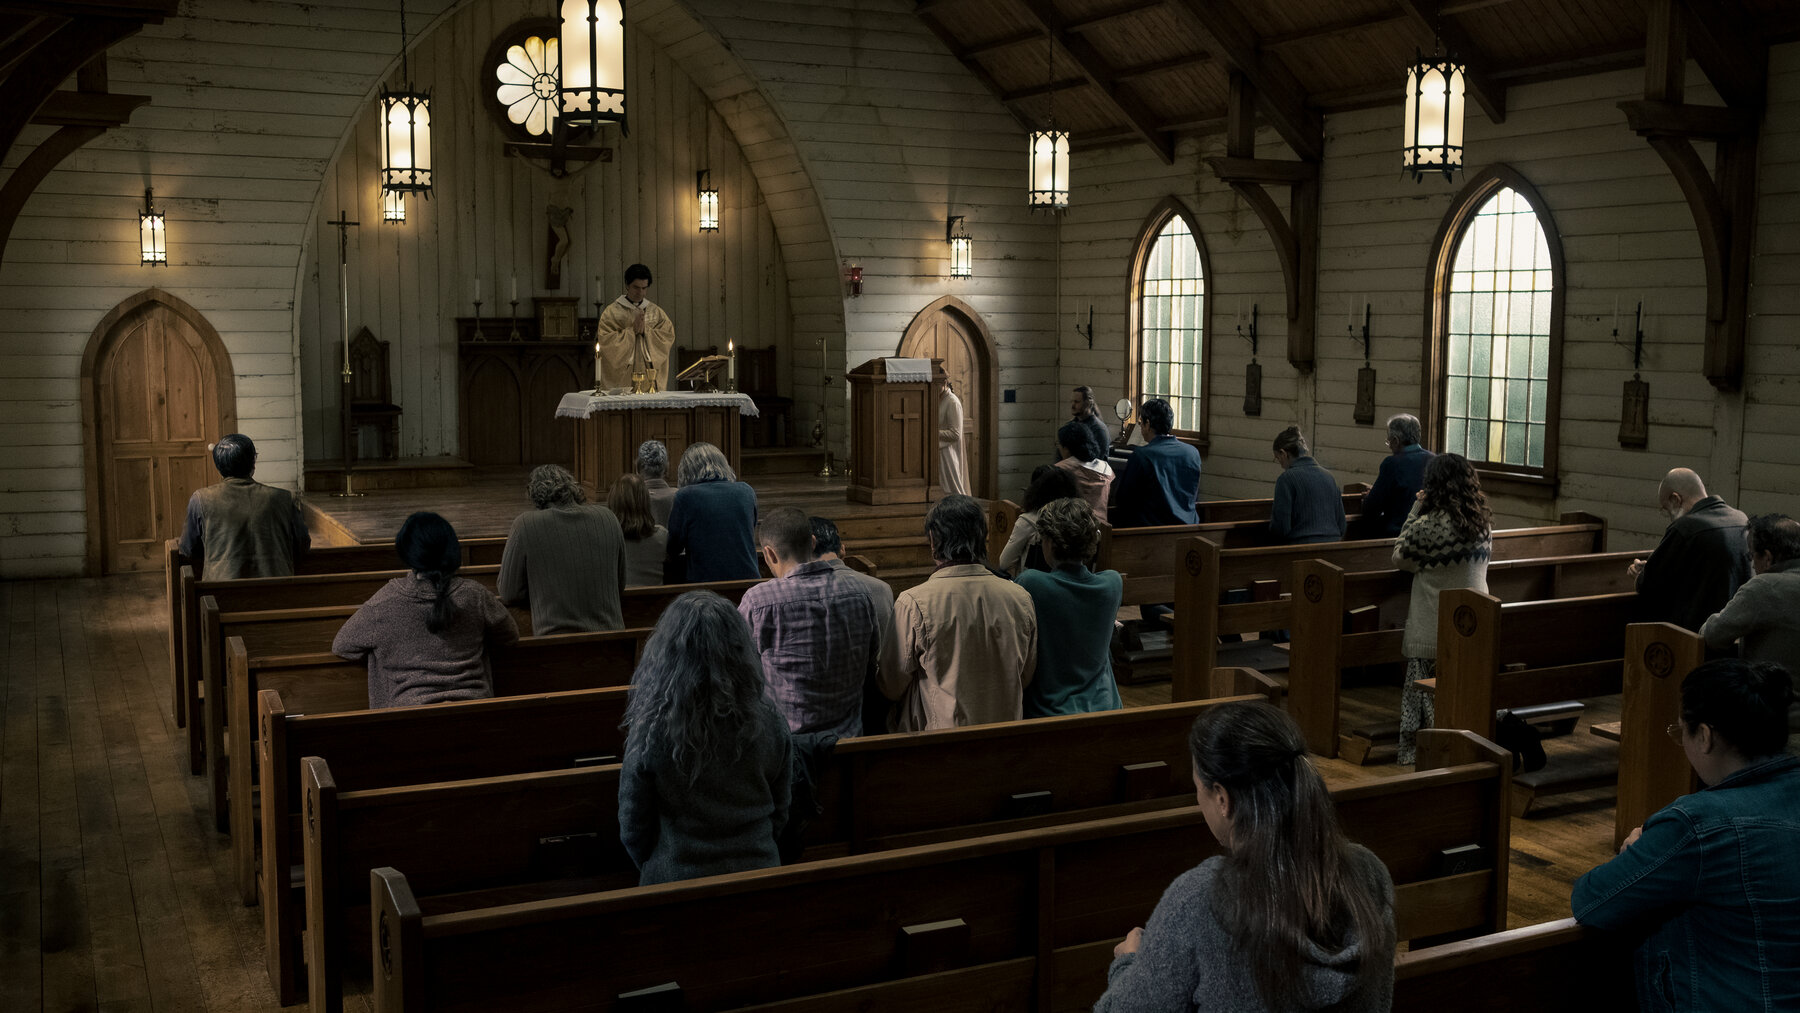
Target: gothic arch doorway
point(156, 388)
point(950, 330)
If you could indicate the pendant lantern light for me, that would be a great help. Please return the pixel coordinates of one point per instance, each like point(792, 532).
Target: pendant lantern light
point(593, 63)
point(405, 132)
point(1434, 117)
point(1048, 155)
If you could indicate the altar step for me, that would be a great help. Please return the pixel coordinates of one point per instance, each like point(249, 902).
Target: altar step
point(406, 473)
point(781, 460)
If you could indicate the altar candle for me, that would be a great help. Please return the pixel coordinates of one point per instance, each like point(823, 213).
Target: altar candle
point(478, 288)
point(515, 288)
point(731, 360)
point(596, 367)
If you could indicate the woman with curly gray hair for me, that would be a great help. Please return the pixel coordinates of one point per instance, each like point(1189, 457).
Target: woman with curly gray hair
point(1076, 609)
point(704, 786)
point(564, 559)
point(712, 526)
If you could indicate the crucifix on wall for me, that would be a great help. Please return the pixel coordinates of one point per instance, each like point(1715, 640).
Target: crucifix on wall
point(556, 243)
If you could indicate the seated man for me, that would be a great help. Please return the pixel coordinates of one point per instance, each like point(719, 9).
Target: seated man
point(653, 468)
point(1161, 482)
point(817, 627)
point(1402, 475)
point(565, 559)
point(1701, 560)
point(1082, 409)
point(966, 638)
point(1765, 612)
point(241, 527)
point(1308, 507)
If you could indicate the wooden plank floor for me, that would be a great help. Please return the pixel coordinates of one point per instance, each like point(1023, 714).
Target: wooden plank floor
point(116, 894)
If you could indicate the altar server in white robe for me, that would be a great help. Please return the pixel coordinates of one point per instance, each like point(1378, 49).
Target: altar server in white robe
point(627, 320)
point(953, 471)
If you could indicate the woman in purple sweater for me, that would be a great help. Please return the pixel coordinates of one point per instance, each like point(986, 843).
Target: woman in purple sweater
point(426, 635)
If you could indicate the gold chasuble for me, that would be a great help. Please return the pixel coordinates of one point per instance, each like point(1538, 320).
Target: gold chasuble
point(617, 339)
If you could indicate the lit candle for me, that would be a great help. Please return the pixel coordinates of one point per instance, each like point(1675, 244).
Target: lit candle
point(731, 360)
point(596, 367)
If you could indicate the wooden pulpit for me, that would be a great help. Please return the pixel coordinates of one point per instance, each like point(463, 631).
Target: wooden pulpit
point(893, 435)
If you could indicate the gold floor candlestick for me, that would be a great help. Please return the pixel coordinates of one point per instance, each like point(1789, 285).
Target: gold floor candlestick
point(514, 335)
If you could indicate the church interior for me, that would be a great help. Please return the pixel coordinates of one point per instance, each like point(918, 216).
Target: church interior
point(1565, 234)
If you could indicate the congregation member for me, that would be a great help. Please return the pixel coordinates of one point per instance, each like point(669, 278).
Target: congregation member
point(1764, 614)
point(646, 541)
point(564, 559)
point(953, 466)
point(818, 629)
point(426, 634)
point(1076, 611)
point(1308, 506)
point(653, 468)
point(1708, 886)
point(1023, 551)
point(1085, 461)
point(966, 638)
point(712, 526)
point(1292, 916)
point(1701, 560)
point(828, 547)
point(1161, 483)
point(1082, 409)
point(633, 331)
point(705, 783)
point(241, 527)
point(1445, 543)
point(1397, 483)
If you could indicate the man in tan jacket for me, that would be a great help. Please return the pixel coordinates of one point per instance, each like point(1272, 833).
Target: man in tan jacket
point(966, 637)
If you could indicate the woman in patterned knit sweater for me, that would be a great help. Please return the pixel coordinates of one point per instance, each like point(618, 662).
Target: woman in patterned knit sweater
point(1445, 543)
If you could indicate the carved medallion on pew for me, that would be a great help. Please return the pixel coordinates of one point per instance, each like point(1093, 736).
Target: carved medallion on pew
point(1194, 563)
point(1465, 620)
point(1315, 588)
point(1659, 660)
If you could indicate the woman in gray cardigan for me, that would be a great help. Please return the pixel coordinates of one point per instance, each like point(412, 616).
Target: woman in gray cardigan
point(1291, 917)
point(1445, 542)
point(704, 786)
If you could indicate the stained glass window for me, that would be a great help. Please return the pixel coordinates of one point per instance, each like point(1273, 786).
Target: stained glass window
point(528, 83)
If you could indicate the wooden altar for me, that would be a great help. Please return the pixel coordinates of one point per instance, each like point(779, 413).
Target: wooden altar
point(606, 442)
point(893, 435)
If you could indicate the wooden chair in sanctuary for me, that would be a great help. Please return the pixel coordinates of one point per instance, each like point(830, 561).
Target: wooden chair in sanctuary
point(372, 394)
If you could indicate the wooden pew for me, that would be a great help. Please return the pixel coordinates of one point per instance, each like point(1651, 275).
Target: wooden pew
point(1030, 916)
point(325, 684)
point(1343, 620)
point(1493, 656)
point(1653, 769)
point(1555, 967)
point(1216, 510)
point(1210, 570)
point(403, 746)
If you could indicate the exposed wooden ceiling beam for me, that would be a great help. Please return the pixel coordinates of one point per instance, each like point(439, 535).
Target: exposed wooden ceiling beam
point(1731, 51)
point(1104, 78)
point(1099, 18)
point(1039, 90)
point(1122, 74)
point(1029, 35)
point(147, 11)
point(974, 68)
point(1450, 10)
point(1159, 66)
point(1592, 63)
point(1279, 93)
point(1002, 42)
point(1345, 26)
point(87, 109)
point(25, 39)
point(1487, 93)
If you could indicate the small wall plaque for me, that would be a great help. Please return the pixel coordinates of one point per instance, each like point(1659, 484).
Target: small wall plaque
point(1365, 396)
point(1253, 389)
point(557, 318)
point(1634, 415)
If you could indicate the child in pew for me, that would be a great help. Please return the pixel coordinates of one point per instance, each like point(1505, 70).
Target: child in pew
point(426, 635)
point(1076, 611)
point(1291, 917)
point(1445, 543)
point(1710, 883)
point(704, 787)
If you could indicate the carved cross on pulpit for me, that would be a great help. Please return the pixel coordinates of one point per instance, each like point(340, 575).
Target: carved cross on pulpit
point(908, 422)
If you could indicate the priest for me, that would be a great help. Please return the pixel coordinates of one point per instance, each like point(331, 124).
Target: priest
point(632, 328)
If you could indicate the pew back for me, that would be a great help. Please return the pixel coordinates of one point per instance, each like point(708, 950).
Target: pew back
point(1653, 769)
point(1555, 967)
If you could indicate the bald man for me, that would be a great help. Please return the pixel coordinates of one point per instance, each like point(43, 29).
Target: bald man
point(1701, 560)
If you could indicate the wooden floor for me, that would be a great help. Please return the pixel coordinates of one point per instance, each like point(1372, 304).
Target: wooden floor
point(115, 893)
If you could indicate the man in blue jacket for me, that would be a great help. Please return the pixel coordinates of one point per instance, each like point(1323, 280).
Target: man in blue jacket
point(1161, 482)
point(1402, 475)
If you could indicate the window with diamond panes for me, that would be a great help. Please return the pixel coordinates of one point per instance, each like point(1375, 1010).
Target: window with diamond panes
point(1171, 324)
point(1498, 336)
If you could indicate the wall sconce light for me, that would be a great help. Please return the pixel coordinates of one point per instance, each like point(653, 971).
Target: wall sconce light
point(1434, 117)
point(962, 247)
point(393, 207)
point(709, 201)
point(152, 233)
point(593, 62)
point(855, 275)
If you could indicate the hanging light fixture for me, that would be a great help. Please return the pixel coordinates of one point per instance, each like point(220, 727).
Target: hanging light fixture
point(151, 233)
point(1434, 117)
point(405, 132)
point(962, 247)
point(593, 63)
point(393, 206)
point(709, 201)
point(1049, 155)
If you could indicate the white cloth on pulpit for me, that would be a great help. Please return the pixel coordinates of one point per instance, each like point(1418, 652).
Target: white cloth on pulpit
point(909, 371)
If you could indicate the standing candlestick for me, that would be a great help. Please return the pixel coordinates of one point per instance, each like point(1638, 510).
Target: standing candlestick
point(730, 364)
point(478, 336)
point(514, 335)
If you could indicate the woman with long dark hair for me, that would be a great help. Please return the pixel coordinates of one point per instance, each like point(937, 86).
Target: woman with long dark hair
point(1022, 552)
point(646, 542)
point(704, 787)
point(426, 635)
point(1291, 917)
point(1445, 543)
point(1084, 459)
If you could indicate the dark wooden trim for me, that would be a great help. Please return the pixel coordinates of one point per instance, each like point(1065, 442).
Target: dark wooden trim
point(88, 109)
point(1105, 79)
point(987, 485)
point(1730, 48)
point(1489, 94)
point(970, 64)
point(46, 67)
point(1154, 222)
point(1342, 26)
point(1230, 37)
point(25, 179)
point(145, 11)
point(1481, 186)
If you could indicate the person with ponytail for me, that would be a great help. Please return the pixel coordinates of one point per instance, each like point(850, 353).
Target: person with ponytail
point(426, 635)
point(704, 787)
point(1292, 916)
point(1709, 885)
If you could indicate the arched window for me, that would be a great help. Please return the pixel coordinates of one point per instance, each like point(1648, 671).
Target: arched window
point(1495, 352)
point(1169, 333)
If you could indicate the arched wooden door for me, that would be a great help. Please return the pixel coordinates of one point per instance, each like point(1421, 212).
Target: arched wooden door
point(949, 330)
point(157, 388)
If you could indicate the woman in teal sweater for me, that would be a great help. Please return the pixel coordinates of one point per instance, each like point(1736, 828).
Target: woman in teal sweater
point(1076, 609)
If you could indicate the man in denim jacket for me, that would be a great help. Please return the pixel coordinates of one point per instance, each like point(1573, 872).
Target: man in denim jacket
point(1712, 881)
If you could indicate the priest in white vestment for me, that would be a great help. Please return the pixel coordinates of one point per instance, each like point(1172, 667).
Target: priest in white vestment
point(631, 325)
point(953, 471)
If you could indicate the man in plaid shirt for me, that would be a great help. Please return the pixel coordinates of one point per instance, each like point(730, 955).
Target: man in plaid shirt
point(819, 629)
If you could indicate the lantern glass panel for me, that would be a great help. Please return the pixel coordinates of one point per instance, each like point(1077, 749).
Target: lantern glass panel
point(593, 60)
point(709, 211)
point(151, 236)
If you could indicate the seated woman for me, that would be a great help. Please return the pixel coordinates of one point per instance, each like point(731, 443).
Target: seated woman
point(1086, 464)
point(704, 786)
point(646, 542)
point(1076, 611)
point(1292, 916)
point(426, 635)
point(712, 526)
point(1709, 883)
point(1048, 483)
